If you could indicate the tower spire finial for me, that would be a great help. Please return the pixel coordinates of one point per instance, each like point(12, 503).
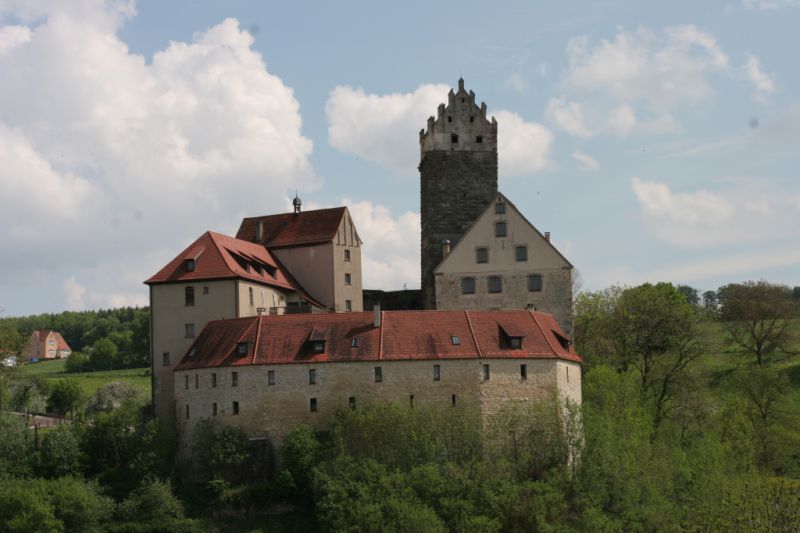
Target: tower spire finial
point(297, 203)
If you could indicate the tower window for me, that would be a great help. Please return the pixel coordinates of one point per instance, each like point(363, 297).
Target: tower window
point(479, 139)
point(495, 284)
point(467, 285)
point(521, 253)
point(348, 305)
point(499, 229)
point(453, 138)
point(347, 256)
point(165, 359)
point(189, 331)
point(348, 279)
point(235, 408)
point(312, 405)
point(189, 296)
point(481, 255)
point(535, 282)
point(500, 208)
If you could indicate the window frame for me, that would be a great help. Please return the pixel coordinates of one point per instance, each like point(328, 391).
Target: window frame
point(188, 296)
point(523, 257)
point(468, 285)
point(378, 374)
point(481, 252)
point(312, 376)
point(494, 284)
point(234, 379)
point(535, 283)
point(437, 373)
point(500, 229)
point(348, 279)
point(235, 407)
point(270, 378)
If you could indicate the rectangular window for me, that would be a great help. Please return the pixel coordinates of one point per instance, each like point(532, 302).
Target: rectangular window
point(187, 411)
point(522, 253)
point(453, 400)
point(312, 376)
point(535, 282)
point(378, 374)
point(214, 409)
point(523, 371)
point(189, 296)
point(189, 331)
point(500, 208)
point(214, 380)
point(205, 289)
point(190, 264)
point(250, 294)
point(318, 346)
point(197, 381)
point(467, 285)
point(479, 139)
point(312, 405)
point(411, 400)
point(515, 343)
point(453, 138)
point(165, 359)
point(234, 379)
point(236, 408)
point(241, 349)
point(495, 284)
point(499, 229)
point(347, 279)
point(567, 369)
point(352, 402)
point(354, 342)
point(186, 382)
point(456, 340)
point(348, 305)
point(485, 372)
point(437, 372)
point(347, 256)
point(481, 255)
point(270, 377)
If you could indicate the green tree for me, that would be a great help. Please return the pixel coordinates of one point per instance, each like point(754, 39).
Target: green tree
point(691, 294)
point(16, 447)
point(115, 395)
point(221, 452)
point(76, 363)
point(65, 396)
point(757, 316)
point(103, 355)
point(300, 453)
point(60, 453)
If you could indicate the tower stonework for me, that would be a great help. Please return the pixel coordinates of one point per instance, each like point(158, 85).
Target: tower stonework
point(458, 177)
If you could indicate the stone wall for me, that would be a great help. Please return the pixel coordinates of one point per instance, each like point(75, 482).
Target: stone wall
point(270, 411)
point(455, 188)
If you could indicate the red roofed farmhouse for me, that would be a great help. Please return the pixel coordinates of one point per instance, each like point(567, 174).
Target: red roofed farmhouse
point(46, 344)
point(267, 374)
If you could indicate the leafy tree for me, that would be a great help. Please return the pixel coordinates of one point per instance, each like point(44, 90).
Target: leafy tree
point(710, 301)
point(65, 396)
point(103, 355)
point(25, 507)
point(757, 316)
point(76, 363)
point(300, 452)
point(115, 395)
point(16, 447)
point(221, 452)
point(60, 454)
point(691, 294)
point(592, 323)
point(10, 339)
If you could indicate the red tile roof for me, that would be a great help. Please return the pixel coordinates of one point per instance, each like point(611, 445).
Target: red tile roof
point(402, 335)
point(291, 229)
point(218, 256)
point(61, 344)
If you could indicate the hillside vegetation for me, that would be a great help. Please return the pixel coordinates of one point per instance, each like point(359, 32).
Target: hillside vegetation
point(689, 422)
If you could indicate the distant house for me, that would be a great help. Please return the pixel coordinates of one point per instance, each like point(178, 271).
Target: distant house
point(46, 344)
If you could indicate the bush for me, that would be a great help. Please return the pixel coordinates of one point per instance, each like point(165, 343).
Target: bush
point(65, 396)
point(16, 447)
point(77, 362)
point(221, 452)
point(60, 453)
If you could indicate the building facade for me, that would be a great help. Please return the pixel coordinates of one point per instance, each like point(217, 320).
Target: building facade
point(268, 374)
point(503, 262)
point(45, 344)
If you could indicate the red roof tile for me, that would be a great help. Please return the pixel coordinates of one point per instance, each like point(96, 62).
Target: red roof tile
point(218, 256)
point(403, 335)
point(290, 229)
point(61, 344)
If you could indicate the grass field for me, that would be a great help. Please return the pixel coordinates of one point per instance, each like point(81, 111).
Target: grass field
point(90, 381)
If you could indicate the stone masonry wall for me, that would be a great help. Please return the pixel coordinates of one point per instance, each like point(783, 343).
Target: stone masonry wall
point(455, 188)
point(272, 410)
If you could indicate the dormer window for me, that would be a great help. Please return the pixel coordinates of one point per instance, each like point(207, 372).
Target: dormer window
point(318, 346)
point(190, 264)
point(242, 348)
point(455, 339)
point(511, 336)
point(354, 342)
point(515, 343)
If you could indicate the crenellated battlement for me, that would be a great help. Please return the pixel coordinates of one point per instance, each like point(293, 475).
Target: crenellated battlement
point(460, 126)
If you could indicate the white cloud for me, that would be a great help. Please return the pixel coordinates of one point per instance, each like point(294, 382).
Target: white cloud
point(515, 82)
point(764, 5)
point(376, 127)
point(585, 161)
point(760, 206)
point(380, 127)
point(524, 147)
point(99, 147)
point(622, 120)
point(763, 83)
point(701, 207)
point(568, 116)
point(390, 256)
point(74, 294)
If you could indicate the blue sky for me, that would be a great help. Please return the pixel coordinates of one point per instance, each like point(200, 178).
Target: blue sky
point(655, 141)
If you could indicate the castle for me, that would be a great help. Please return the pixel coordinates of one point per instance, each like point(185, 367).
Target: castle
point(266, 330)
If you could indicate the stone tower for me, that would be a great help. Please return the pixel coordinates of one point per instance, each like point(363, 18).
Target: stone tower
point(458, 177)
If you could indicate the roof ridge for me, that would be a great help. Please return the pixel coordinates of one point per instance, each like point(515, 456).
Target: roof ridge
point(546, 337)
point(472, 333)
point(258, 336)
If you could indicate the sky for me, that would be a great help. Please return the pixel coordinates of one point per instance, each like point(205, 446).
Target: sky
point(656, 141)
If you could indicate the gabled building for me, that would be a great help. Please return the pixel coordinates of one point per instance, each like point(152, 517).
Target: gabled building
point(266, 374)
point(503, 262)
point(46, 344)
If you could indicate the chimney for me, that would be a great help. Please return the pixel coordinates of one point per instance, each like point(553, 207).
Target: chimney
point(377, 320)
point(445, 248)
point(259, 231)
point(547, 236)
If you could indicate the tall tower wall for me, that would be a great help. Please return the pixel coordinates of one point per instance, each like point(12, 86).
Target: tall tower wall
point(458, 177)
